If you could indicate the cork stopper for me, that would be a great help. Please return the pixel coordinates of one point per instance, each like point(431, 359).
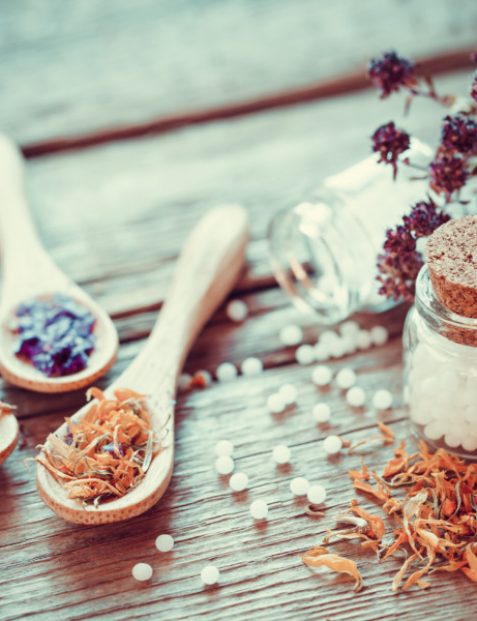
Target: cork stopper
point(452, 260)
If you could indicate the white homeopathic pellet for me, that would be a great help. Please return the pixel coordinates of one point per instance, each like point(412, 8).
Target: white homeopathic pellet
point(237, 310)
point(337, 348)
point(164, 543)
point(363, 339)
point(299, 486)
point(281, 454)
point(356, 397)
point(322, 412)
point(226, 372)
point(184, 382)
point(204, 377)
point(321, 352)
point(210, 575)
point(288, 393)
point(238, 482)
point(332, 445)
point(224, 447)
point(276, 403)
point(251, 366)
point(259, 510)
point(305, 354)
point(382, 399)
point(316, 494)
point(379, 335)
point(291, 335)
point(349, 328)
point(224, 464)
point(345, 378)
point(322, 375)
point(142, 572)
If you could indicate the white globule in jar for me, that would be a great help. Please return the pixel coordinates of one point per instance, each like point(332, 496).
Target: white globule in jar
point(440, 375)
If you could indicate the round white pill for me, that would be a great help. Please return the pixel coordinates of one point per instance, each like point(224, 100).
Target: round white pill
point(321, 412)
point(321, 352)
point(356, 397)
point(379, 335)
point(238, 482)
point(332, 445)
point(322, 375)
point(316, 494)
point(281, 454)
point(288, 393)
point(291, 335)
point(434, 430)
point(142, 572)
point(202, 378)
point(164, 543)
point(382, 399)
point(345, 378)
point(275, 403)
point(236, 310)
point(210, 575)
point(452, 440)
point(363, 339)
point(470, 443)
point(224, 447)
point(224, 464)
point(251, 366)
point(328, 336)
point(299, 486)
point(226, 372)
point(184, 382)
point(349, 328)
point(337, 348)
point(259, 510)
point(305, 354)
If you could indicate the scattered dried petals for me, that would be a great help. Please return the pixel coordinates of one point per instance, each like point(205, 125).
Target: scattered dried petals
point(320, 557)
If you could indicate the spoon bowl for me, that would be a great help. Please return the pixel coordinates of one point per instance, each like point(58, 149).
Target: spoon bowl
point(29, 273)
point(9, 433)
point(205, 273)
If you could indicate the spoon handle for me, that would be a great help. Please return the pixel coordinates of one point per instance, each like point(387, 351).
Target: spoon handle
point(27, 267)
point(206, 271)
point(16, 228)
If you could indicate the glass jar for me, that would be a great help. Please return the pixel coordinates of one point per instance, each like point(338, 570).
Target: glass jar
point(323, 252)
point(440, 378)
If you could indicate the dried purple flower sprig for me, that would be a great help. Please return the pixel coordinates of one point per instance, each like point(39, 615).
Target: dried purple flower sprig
point(452, 167)
point(400, 261)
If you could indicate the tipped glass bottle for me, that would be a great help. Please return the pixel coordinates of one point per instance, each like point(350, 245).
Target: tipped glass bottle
point(324, 251)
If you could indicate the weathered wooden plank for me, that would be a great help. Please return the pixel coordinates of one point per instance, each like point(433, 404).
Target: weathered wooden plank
point(153, 58)
point(344, 84)
point(85, 571)
point(93, 207)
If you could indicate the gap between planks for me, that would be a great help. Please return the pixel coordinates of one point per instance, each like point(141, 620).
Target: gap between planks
point(341, 85)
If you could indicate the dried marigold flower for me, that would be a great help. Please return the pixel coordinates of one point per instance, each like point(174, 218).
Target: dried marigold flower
point(448, 174)
point(459, 133)
point(390, 142)
point(390, 73)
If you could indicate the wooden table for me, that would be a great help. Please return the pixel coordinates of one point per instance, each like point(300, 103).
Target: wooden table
point(114, 217)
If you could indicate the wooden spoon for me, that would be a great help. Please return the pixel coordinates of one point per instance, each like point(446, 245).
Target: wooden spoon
point(28, 272)
point(9, 433)
point(206, 271)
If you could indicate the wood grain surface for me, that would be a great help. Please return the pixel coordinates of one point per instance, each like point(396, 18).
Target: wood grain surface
point(154, 57)
point(114, 218)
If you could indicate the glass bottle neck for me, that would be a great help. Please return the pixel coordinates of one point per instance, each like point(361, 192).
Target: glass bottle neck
point(322, 257)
